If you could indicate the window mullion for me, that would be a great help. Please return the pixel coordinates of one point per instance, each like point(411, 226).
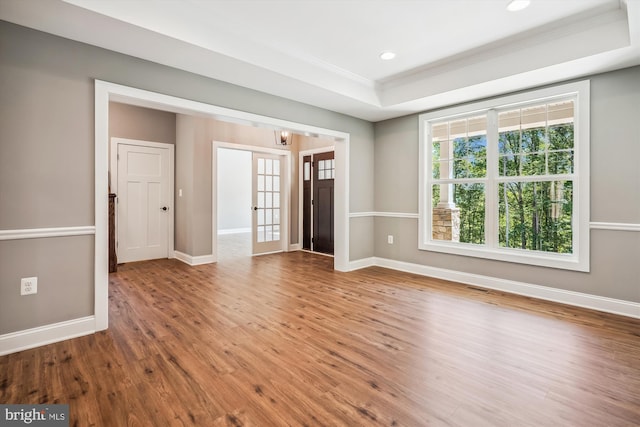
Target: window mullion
point(491, 190)
point(425, 175)
point(536, 217)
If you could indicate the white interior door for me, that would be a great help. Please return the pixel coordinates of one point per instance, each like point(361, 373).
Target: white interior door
point(267, 208)
point(144, 202)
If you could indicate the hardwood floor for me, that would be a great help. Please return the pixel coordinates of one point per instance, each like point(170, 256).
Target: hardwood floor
point(284, 340)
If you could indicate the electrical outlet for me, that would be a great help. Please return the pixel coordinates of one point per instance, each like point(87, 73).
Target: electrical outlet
point(28, 285)
point(390, 239)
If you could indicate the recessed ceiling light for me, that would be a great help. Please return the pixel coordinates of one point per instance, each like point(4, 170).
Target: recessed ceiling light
point(387, 55)
point(515, 5)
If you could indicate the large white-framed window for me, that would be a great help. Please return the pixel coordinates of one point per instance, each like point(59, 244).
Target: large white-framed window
point(508, 178)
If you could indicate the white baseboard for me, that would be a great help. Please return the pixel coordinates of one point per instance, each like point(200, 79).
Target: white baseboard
point(362, 263)
point(234, 231)
point(193, 260)
point(578, 299)
point(47, 334)
point(294, 247)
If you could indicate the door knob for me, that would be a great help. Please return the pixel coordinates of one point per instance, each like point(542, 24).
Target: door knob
point(164, 208)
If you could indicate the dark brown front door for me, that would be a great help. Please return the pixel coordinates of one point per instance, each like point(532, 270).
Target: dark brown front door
point(323, 179)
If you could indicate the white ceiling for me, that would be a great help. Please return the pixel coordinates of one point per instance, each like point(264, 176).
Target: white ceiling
point(325, 52)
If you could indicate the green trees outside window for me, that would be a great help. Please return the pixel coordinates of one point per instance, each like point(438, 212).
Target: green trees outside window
point(532, 182)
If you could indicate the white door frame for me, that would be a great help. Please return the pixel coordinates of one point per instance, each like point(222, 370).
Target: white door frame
point(114, 180)
point(106, 91)
point(286, 191)
point(301, 155)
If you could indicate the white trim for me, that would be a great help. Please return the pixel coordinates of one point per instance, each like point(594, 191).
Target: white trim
point(617, 226)
point(268, 253)
point(301, 199)
point(341, 206)
point(101, 209)
point(383, 214)
point(193, 260)
point(294, 247)
point(214, 201)
point(37, 233)
point(363, 263)
point(578, 299)
point(47, 334)
point(579, 259)
point(234, 231)
point(251, 148)
point(362, 214)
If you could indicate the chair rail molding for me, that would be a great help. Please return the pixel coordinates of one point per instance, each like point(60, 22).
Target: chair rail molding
point(38, 233)
point(593, 225)
point(616, 226)
point(383, 214)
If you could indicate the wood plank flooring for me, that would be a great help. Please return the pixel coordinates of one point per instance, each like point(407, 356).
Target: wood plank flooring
point(283, 340)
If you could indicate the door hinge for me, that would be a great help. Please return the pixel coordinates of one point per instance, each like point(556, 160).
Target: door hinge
point(311, 202)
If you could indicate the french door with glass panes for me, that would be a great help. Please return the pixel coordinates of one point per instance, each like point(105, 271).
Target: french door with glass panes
point(267, 222)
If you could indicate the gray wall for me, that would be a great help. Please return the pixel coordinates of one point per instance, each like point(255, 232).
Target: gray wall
point(193, 176)
point(47, 129)
point(615, 180)
point(64, 278)
point(145, 124)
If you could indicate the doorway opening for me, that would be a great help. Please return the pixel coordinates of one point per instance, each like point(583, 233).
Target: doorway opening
point(252, 198)
point(234, 203)
point(106, 92)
